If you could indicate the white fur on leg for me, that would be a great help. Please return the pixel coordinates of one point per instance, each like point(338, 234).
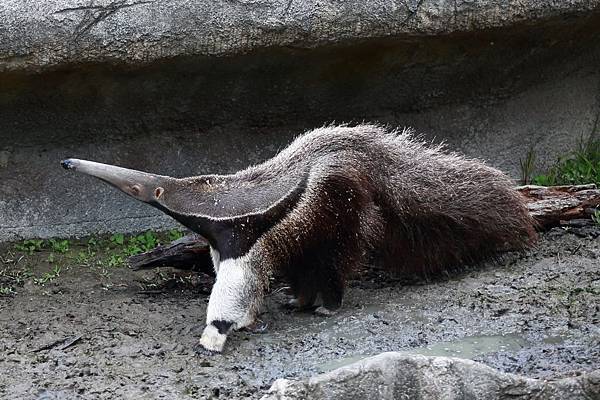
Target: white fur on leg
point(234, 299)
point(213, 340)
point(216, 259)
point(233, 293)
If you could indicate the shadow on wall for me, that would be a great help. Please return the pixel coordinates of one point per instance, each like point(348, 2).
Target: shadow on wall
point(492, 94)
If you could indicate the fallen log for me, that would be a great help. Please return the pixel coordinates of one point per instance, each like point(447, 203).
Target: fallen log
point(550, 206)
point(557, 205)
point(189, 252)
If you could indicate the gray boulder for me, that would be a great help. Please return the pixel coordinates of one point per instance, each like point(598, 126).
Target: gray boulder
point(35, 35)
point(399, 376)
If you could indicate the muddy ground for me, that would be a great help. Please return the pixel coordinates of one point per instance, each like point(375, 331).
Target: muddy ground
point(97, 333)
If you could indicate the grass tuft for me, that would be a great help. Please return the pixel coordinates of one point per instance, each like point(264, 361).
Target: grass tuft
point(596, 217)
point(527, 166)
point(99, 253)
point(579, 168)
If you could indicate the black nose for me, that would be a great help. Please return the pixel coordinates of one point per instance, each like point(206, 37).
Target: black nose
point(67, 164)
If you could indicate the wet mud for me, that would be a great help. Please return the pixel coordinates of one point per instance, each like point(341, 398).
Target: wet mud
point(119, 335)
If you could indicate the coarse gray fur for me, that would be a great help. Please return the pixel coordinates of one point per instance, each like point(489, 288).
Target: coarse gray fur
point(336, 198)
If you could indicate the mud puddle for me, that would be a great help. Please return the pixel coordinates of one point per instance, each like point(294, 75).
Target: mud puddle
point(535, 314)
point(468, 348)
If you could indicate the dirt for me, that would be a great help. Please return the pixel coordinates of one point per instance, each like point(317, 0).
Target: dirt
point(97, 333)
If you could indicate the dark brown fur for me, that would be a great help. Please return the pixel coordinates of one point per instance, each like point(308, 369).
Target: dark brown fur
point(452, 211)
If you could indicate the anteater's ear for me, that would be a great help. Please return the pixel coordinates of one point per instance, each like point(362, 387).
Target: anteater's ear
point(235, 236)
point(264, 219)
point(279, 209)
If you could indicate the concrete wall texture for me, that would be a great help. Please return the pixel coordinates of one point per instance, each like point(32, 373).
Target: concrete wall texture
point(191, 87)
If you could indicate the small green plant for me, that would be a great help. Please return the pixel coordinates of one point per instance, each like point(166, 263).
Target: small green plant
point(11, 277)
point(135, 244)
point(527, 166)
point(596, 217)
point(29, 246)
point(6, 290)
point(118, 239)
point(544, 180)
point(50, 258)
point(579, 168)
point(16, 276)
point(141, 243)
point(92, 243)
point(48, 276)
point(21, 276)
point(174, 234)
point(59, 246)
point(84, 257)
point(148, 240)
point(114, 261)
point(105, 272)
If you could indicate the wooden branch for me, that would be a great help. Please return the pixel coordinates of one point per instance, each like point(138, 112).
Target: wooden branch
point(555, 205)
point(190, 252)
point(550, 206)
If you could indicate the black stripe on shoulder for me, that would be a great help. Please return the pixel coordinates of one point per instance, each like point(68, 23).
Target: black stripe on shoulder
point(233, 237)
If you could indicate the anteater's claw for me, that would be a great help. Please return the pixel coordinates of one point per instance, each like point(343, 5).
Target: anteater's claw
point(257, 327)
point(324, 312)
point(297, 305)
point(212, 339)
point(203, 351)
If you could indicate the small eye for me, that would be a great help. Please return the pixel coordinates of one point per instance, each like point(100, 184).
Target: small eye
point(158, 192)
point(135, 190)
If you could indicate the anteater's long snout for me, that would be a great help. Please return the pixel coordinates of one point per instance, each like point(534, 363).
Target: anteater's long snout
point(141, 185)
point(109, 173)
point(68, 163)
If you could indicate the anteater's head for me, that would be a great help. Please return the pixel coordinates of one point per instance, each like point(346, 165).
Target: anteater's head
point(220, 213)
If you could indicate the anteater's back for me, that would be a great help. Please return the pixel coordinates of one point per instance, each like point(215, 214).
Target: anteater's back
point(431, 209)
point(444, 210)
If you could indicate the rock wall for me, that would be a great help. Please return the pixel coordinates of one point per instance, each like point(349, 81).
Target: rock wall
point(190, 87)
point(37, 35)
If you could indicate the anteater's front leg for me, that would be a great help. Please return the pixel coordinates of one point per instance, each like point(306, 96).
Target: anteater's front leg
point(234, 302)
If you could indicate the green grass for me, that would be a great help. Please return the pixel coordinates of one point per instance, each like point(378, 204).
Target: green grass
point(579, 168)
point(174, 234)
point(527, 166)
point(6, 290)
point(59, 246)
point(48, 276)
point(102, 254)
point(35, 245)
point(29, 246)
point(596, 217)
